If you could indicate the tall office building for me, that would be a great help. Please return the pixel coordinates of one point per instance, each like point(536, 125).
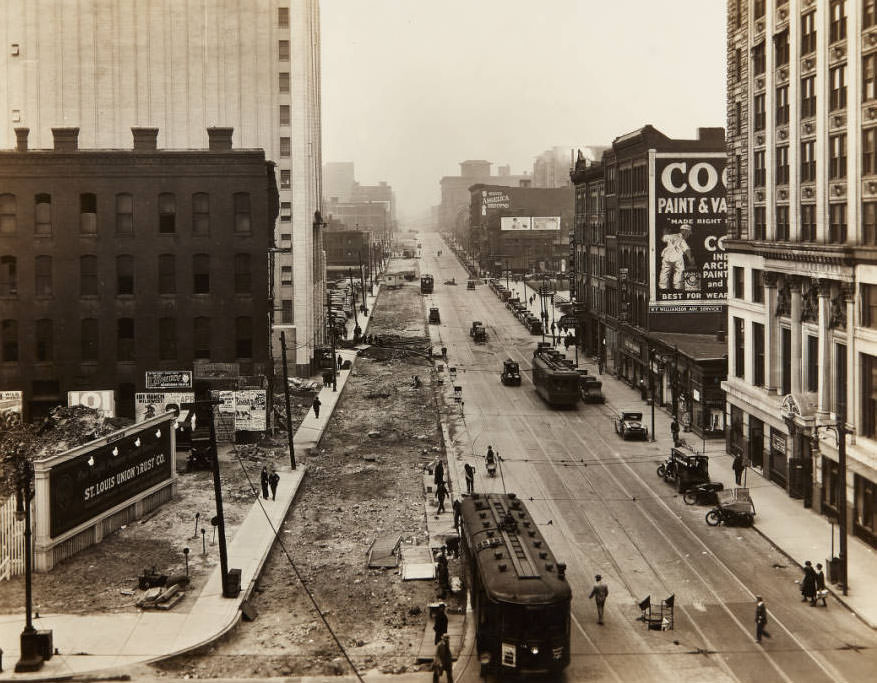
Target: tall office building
point(802, 248)
point(106, 66)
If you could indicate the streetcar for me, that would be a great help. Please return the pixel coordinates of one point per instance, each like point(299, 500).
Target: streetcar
point(554, 377)
point(519, 592)
point(426, 284)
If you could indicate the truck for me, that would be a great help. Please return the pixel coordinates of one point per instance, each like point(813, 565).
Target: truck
point(426, 284)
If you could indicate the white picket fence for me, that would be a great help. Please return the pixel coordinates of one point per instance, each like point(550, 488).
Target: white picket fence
point(11, 541)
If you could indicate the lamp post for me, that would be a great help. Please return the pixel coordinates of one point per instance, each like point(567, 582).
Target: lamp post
point(31, 659)
point(652, 387)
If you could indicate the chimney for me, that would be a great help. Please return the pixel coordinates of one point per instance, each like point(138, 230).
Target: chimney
point(145, 139)
point(220, 139)
point(21, 139)
point(66, 139)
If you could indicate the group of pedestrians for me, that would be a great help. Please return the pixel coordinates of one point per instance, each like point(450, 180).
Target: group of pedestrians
point(813, 584)
point(441, 489)
point(269, 479)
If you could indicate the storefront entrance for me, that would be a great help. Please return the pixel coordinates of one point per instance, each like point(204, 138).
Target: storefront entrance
point(779, 464)
point(756, 443)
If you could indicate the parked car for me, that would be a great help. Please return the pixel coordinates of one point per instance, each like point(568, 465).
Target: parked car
point(629, 425)
point(475, 324)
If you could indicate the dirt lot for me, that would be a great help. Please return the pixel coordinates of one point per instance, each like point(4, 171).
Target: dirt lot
point(363, 482)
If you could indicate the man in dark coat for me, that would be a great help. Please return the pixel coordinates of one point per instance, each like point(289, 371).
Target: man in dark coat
point(760, 619)
point(316, 406)
point(441, 492)
point(470, 477)
point(820, 586)
point(273, 480)
point(443, 662)
point(263, 478)
point(441, 623)
point(674, 431)
point(808, 584)
point(438, 474)
point(737, 466)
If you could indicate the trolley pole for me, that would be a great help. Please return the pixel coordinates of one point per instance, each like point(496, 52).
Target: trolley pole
point(289, 431)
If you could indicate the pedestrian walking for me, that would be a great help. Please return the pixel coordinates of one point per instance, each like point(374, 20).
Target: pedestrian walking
point(441, 623)
point(458, 513)
point(808, 584)
point(340, 361)
point(441, 492)
point(821, 593)
point(273, 480)
point(438, 473)
point(443, 661)
point(760, 619)
point(316, 406)
point(263, 478)
point(674, 431)
point(442, 571)
point(599, 593)
point(738, 468)
point(470, 477)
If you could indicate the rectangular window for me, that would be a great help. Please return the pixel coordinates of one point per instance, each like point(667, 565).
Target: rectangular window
point(87, 214)
point(738, 118)
point(125, 339)
point(758, 115)
point(201, 338)
point(124, 214)
point(283, 50)
point(8, 276)
point(43, 214)
point(8, 214)
point(757, 286)
point(739, 348)
point(869, 223)
point(167, 213)
point(44, 347)
point(243, 337)
point(285, 149)
point(808, 33)
point(808, 222)
point(782, 165)
point(242, 221)
point(781, 48)
point(808, 161)
point(838, 26)
point(869, 395)
point(758, 373)
point(242, 275)
point(837, 229)
point(838, 156)
point(89, 339)
point(285, 240)
point(201, 274)
point(739, 292)
point(758, 59)
point(869, 13)
point(9, 340)
point(88, 282)
point(167, 339)
point(286, 311)
point(285, 212)
point(43, 276)
point(285, 179)
point(812, 363)
point(869, 77)
point(738, 64)
point(808, 97)
point(782, 224)
point(838, 80)
point(283, 81)
point(786, 368)
point(283, 17)
point(839, 399)
point(167, 274)
point(201, 214)
point(285, 275)
point(869, 151)
point(758, 9)
point(124, 275)
point(759, 172)
point(869, 306)
point(284, 115)
point(759, 223)
point(865, 501)
point(782, 105)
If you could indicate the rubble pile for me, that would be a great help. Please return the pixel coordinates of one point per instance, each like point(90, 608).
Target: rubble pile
point(393, 347)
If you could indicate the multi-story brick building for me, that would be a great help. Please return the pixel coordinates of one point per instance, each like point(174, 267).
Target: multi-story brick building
point(802, 313)
point(115, 262)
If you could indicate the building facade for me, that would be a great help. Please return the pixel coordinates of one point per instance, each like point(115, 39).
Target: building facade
point(105, 66)
point(116, 262)
point(802, 320)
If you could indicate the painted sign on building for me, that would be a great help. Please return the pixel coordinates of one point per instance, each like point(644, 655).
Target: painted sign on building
point(689, 263)
point(104, 401)
point(493, 199)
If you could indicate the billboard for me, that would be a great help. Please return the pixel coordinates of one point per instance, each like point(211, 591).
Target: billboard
point(152, 403)
point(250, 410)
point(515, 223)
point(108, 473)
point(689, 266)
point(168, 379)
point(11, 405)
point(104, 401)
point(546, 223)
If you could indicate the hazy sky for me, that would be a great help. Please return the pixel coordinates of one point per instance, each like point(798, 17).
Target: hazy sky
point(413, 87)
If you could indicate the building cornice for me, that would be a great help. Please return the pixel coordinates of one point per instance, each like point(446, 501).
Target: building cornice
point(838, 255)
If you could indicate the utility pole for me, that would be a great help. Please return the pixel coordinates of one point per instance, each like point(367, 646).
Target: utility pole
point(289, 431)
point(842, 493)
point(362, 282)
point(652, 389)
point(353, 296)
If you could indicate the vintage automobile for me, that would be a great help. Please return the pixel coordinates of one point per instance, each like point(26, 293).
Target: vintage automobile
point(475, 323)
point(479, 334)
point(434, 317)
point(470, 284)
point(629, 425)
point(591, 389)
point(511, 373)
point(686, 468)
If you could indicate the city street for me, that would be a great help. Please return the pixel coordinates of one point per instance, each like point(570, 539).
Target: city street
point(604, 510)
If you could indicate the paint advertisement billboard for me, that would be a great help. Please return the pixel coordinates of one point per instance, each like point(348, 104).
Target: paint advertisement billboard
point(152, 403)
point(168, 379)
point(508, 223)
point(689, 263)
point(546, 223)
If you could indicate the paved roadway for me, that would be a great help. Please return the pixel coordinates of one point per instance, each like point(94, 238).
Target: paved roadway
point(604, 510)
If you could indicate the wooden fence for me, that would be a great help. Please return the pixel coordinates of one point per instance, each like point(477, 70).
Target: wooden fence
point(11, 541)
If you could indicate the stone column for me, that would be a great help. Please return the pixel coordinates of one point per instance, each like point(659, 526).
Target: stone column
point(823, 406)
point(772, 358)
point(795, 317)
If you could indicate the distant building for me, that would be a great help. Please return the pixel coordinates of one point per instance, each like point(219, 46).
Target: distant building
point(345, 249)
point(115, 262)
point(522, 229)
point(338, 181)
point(371, 216)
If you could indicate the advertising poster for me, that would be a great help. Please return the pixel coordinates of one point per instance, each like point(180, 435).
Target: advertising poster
point(152, 403)
point(546, 223)
point(224, 415)
point(11, 404)
point(515, 223)
point(168, 379)
point(250, 405)
point(104, 401)
point(689, 270)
